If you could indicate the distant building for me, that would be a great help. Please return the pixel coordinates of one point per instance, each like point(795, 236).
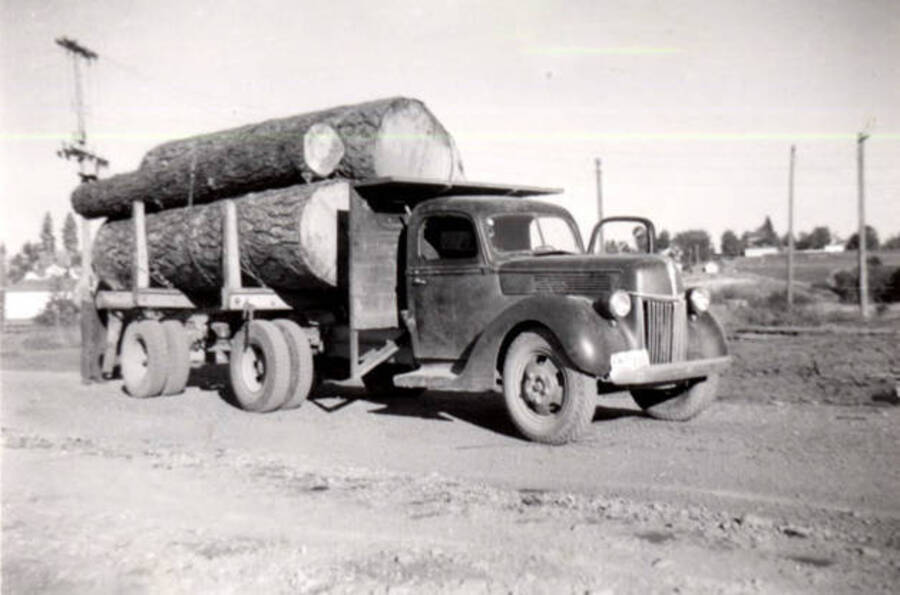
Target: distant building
point(711, 268)
point(758, 251)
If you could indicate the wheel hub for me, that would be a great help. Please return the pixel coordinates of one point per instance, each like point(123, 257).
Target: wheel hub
point(253, 367)
point(541, 387)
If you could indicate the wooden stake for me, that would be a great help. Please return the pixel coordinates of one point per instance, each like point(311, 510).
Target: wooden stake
point(141, 273)
point(231, 257)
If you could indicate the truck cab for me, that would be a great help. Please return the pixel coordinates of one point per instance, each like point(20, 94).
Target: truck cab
point(501, 294)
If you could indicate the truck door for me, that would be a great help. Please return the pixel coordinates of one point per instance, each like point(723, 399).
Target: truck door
point(447, 274)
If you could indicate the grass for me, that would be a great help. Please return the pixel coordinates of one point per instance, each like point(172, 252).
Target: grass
point(813, 269)
point(34, 347)
point(765, 304)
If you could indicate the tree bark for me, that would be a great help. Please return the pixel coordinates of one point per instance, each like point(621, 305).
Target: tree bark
point(389, 137)
point(290, 239)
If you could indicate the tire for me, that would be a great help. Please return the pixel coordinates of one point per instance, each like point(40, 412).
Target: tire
point(259, 367)
point(143, 358)
point(679, 403)
point(179, 353)
point(302, 369)
point(547, 399)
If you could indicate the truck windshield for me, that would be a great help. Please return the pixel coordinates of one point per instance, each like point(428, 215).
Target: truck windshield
point(532, 233)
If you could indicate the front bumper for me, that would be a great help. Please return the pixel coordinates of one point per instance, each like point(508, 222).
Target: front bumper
point(665, 373)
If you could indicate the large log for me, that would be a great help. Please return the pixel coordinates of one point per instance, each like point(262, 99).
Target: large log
point(389, 137)
point(290, 239)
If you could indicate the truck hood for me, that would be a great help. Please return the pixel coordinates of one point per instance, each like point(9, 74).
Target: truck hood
point(590, 275)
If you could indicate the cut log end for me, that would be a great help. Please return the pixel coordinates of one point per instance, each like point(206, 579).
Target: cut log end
point(322, 149)
point(412, 142)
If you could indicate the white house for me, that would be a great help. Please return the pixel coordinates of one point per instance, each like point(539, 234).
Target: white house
point(28, 298)
point(757, 251)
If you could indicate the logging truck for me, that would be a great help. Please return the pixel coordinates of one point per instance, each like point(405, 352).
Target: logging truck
point(434, 285)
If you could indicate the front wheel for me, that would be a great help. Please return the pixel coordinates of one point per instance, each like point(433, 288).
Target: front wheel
point(547, 399)
point(680, 402)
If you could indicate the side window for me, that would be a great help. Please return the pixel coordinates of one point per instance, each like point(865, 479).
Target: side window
point(447, 237)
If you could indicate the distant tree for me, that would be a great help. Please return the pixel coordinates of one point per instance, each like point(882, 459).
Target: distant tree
point(871, 239)
point(819, 237)
point(731, 245)
point(695, 244)
point(70, 234)
point(48, 238)
point(24, 262)
point(662, 240)
point(892, 243)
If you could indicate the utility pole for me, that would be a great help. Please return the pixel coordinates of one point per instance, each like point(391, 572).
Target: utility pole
point(861, 251)
point(77, 149)
point(790, 258)
point(599, 173)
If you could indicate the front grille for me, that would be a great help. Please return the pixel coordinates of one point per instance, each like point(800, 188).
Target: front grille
point(665, 330)
point(587, 282)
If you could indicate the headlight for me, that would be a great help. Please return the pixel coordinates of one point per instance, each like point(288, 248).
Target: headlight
point(698, 298)
point(619, 304)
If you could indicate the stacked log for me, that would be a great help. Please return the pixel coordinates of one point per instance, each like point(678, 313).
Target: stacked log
point(390, 137)
point(289, 238)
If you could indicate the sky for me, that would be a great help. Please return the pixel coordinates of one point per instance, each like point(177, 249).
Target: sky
point(692, 106)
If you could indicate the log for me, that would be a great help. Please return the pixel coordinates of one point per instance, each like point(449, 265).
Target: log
point(389, 137)
point(290, 239)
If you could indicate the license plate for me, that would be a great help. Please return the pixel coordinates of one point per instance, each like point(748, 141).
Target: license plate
point(629, 360)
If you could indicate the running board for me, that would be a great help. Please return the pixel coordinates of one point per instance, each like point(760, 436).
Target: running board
point(432, 376)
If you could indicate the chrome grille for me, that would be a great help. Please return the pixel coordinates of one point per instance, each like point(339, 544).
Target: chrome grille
point(665, 330)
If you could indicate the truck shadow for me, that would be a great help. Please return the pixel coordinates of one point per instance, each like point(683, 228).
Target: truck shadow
point(484, 410)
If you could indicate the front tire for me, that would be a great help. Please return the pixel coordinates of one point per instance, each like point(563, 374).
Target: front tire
point(547, 399)
point(679, 403)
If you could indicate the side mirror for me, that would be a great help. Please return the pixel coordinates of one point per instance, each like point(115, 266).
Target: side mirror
point(623, 234)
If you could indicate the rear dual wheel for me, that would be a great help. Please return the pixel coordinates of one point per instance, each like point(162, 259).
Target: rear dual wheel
point(155, 358)
point(270, 365)
point(302, 372)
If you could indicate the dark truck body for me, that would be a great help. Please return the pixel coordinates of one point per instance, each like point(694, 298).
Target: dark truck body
point(446, 318)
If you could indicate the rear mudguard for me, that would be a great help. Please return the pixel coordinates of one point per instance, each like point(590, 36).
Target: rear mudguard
point(585, 337)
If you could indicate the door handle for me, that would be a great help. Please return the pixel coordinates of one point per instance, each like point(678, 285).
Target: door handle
point(419, 281)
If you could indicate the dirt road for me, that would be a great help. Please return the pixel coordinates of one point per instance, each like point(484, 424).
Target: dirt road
point(354, 494)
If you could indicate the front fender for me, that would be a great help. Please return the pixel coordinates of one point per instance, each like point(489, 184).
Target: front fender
point(585, 336)
point(706, 338)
